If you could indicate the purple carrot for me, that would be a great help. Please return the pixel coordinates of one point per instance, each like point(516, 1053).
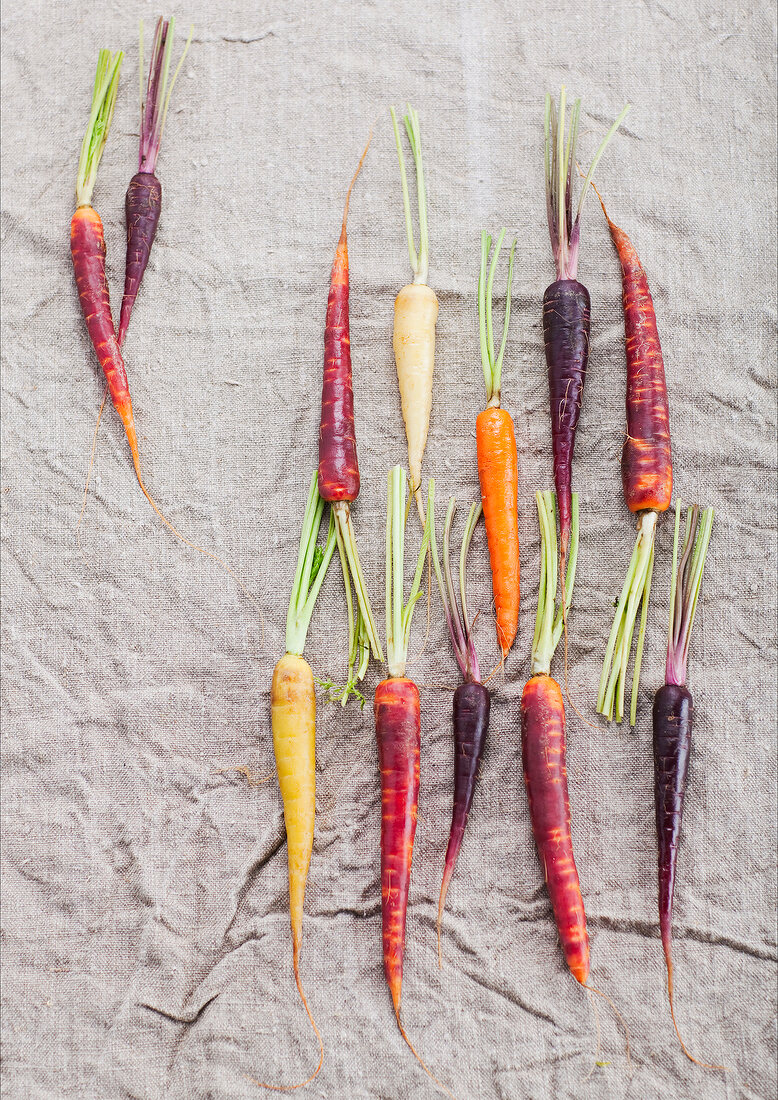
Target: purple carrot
point(143, 202)
point(471, 699)
point(673, 712)
point(566, 306)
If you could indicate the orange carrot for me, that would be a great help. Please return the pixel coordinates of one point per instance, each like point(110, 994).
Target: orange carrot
point(497, 461)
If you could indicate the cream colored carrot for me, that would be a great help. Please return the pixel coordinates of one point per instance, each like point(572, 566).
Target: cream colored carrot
point(415, 315)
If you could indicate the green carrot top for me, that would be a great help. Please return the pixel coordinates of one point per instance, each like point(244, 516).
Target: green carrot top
point(398, 617)
point(492, 366)
point(419, 260)
point(103, 103)
point(549, 623)
point(312, 563)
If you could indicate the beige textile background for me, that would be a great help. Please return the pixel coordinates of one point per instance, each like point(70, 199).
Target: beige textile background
point(146, 948)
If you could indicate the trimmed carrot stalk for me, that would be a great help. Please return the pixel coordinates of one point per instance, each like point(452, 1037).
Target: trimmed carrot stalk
point(415, 316)
point(338, 464)
point(646, 471)
point(672, 726)
point(545, 776)
point(143, 201)
point(471, 699)
point(293, 721)
point(398, 734)
point(566, 304)
point(498, 471)
point(397, 712)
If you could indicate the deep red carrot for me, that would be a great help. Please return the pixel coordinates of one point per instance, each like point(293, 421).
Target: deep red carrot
point(397, 713)
point(543, 748)
point(543, 745)
point(646, 471)
point(143, 201)
point(338, 463)
point(398, 733)
point(566, 304)
point(672, 723)
point(471, 699)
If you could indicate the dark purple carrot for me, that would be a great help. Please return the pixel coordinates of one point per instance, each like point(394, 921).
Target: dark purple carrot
point(338, 463)
point(673, 712)
point(143, 202)
point(471, 699)
point(566, 306)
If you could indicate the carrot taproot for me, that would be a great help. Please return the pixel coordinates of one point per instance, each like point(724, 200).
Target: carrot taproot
point(672, 726)
point(338, 463)
point(143, 201)
point(646, 470)
point(397, 713)
point(472, 701)
point(566, 302)
point(415, 316)
point(498, 472)
point(293, 723)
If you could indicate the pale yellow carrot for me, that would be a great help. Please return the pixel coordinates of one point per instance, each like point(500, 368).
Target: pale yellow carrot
point(415, 315)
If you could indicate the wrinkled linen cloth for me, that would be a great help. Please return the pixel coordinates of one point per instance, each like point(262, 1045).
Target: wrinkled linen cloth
point(146, 945)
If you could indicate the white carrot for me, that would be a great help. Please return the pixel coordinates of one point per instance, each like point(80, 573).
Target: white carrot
point(415, 314)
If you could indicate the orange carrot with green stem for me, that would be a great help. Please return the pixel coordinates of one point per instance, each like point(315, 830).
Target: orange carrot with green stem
point(497, 459)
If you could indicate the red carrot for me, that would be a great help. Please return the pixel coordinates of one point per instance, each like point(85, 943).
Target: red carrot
point(646, 470)
point(672, 716)
point(398, 735)
point(143, 202)
point(338, 464)
point(566, 305)
point(471, 699)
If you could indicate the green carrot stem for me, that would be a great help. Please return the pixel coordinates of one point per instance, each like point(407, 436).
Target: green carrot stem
point(310, 571)
point(354, 575)
point(419, 260)
point(633, 709)
point(491, 364)
point(398, 617)
point(548, 626)
point(106, 86)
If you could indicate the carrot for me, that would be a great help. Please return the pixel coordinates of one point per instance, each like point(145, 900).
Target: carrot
point(646, 470)
point(415, 315)
point(672, 722)
point(143, 201)
point(397, 712)
point(338, 463)
point(471, 699)
point(293, 720)
point(566, 303)
point(497, 460)
point(543, 746)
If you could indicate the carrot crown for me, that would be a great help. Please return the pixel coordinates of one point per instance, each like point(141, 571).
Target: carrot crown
point(103, 103)
point(419, 260)
point(560, 157)
point(458, 623)
point(685, 587)
point(492, 366)
point(154, 105)
point(398, 617)
point(549, 623)
point(312, 564)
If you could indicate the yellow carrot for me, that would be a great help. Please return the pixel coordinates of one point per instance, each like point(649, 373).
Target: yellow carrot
point(415, 315)
point(293, 721)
